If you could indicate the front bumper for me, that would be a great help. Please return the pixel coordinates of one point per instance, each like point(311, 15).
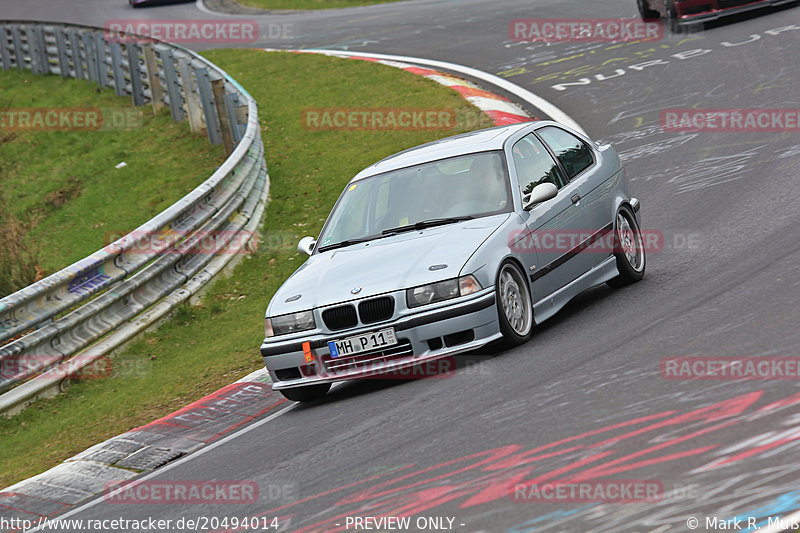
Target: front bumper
point(712, 10)
point(423, 336)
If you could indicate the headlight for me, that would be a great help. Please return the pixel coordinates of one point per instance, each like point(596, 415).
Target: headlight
point(443, 290)
point(291, 323)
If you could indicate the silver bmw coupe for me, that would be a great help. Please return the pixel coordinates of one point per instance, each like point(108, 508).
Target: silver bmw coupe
point(446, 247)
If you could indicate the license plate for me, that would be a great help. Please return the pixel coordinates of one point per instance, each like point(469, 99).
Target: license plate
point(363, 343)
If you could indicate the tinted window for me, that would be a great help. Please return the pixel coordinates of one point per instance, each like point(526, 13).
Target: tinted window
point(573, 153)
point(534, 164)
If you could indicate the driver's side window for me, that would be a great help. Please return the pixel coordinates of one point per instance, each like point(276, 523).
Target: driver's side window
point(535, 165)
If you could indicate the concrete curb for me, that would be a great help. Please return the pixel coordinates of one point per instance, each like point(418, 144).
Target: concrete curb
point(143, 449)
point(501, 110)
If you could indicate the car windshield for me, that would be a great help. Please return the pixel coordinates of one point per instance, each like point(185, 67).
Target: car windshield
point(435, 193)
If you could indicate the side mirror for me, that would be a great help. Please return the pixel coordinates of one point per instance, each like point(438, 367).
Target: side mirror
point(540, 193)
point(306, 245)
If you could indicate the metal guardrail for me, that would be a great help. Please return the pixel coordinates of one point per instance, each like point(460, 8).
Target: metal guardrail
point(50, 329)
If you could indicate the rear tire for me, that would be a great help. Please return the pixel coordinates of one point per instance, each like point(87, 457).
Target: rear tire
point(628, 250)
point(308, 393)
point(514, 307)
point(644, 10)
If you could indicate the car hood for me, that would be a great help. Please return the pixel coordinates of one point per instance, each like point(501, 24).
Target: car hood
point(383, 265)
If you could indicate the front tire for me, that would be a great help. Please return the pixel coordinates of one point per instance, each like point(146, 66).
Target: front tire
point(308, 393)
point(628, 250)
point(514, 307)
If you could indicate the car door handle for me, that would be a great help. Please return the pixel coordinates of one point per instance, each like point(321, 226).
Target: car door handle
point(576, 198)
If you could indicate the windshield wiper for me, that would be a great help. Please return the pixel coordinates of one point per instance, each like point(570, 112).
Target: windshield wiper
point(347, 242)
point(426, 224)
point(391, 231)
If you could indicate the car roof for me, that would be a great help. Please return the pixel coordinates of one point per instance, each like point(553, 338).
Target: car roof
point(465, 143)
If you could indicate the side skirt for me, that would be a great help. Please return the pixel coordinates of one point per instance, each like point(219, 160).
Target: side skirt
point(552, 303)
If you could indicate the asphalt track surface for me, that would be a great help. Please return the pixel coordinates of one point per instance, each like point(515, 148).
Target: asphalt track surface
point(585, 398)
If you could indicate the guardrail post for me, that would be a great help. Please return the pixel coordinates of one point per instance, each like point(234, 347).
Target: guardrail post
point(61, 50)
point(151, 67)
point(41, 50)
point(191, 98)
point(242, 113)
point(90, 52)
point(75, 53)
point(4, 53)
point(231, 102)
point(98, 48)
point(33, 50)
point(102, 64)
point(116, 68)
point(209, 109)
point(218, 90)
point(19, 55)
point(136, 73)
point(173, 89)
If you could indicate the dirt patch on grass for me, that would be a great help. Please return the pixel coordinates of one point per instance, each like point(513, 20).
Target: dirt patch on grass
point(57, 198)
point(18, 267)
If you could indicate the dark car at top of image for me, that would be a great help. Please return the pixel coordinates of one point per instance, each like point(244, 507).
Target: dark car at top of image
point(679, 13)
point(144, 3)
point(446, 247)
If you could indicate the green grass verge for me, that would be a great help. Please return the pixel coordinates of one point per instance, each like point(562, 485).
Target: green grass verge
point(201, 349)
point(310, 4)
point(61, 189)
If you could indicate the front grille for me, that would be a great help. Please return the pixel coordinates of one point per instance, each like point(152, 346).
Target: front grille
point(341, 317)
point(376, 309)
point(369, 360)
